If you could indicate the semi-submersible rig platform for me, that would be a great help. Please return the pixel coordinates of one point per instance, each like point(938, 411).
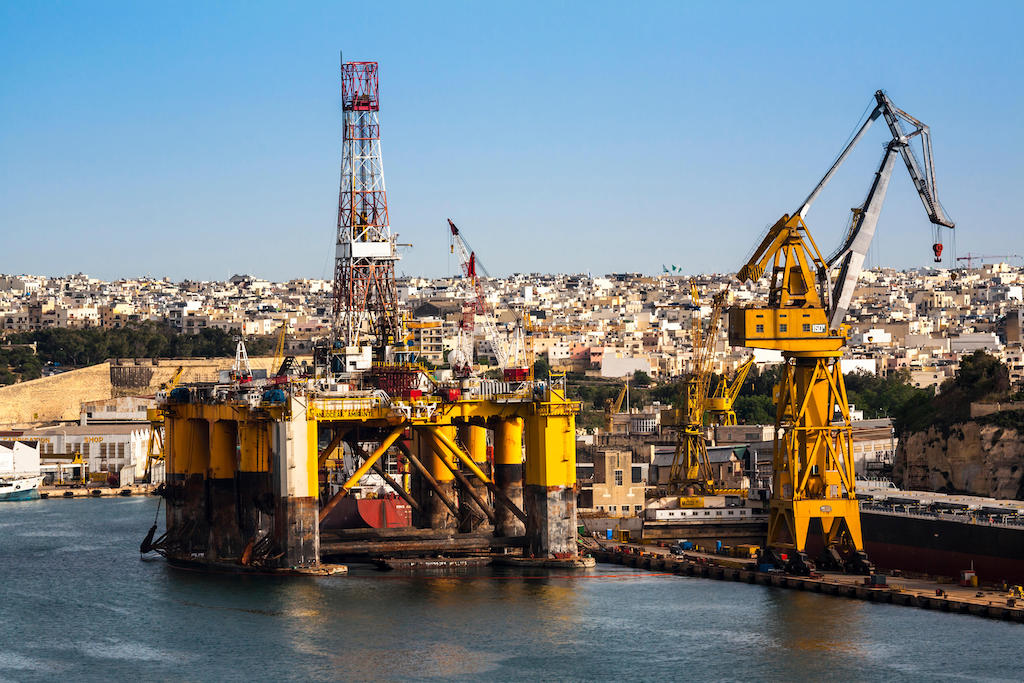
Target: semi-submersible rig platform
point(246, 459)
point(484, 466)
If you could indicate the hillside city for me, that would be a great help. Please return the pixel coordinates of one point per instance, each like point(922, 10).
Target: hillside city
point(611, 326)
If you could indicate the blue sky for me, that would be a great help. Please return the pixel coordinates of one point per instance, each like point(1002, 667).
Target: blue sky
point(203, 139)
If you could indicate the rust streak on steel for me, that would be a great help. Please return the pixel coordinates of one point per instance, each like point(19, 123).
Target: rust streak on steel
point(428, 478)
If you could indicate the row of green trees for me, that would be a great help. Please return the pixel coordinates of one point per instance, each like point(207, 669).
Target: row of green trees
point(19, 363)
point(77, 347)
point(981, 377)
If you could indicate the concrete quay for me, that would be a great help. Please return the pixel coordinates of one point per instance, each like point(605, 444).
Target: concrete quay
point(910, 592)
point(54, 492)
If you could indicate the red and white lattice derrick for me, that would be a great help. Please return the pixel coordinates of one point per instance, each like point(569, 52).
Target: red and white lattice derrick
point(365, 295)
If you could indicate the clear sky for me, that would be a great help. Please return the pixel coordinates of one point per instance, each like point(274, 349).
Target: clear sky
point(203, 139)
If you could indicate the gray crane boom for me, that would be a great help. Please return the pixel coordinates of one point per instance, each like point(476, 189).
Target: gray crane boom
point(850, 255)
point(862, 231)
point(925, 185)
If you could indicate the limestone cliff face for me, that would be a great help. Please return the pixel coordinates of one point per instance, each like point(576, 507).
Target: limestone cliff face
point(975, 459)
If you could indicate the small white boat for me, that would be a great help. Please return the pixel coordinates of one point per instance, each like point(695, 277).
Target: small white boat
point(19, 488)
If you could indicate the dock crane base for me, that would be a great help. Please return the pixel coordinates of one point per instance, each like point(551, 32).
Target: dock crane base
point(813, 459)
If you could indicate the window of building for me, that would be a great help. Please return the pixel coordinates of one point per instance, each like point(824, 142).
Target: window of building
point(638, 474)
point(638, 508)
point(759, 328)
point(120, 450)
point(618, 477)
point(806, 327)
point(783, 327)
point(611, 508)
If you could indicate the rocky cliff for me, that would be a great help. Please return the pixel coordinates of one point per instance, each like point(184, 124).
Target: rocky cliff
point(976, 458)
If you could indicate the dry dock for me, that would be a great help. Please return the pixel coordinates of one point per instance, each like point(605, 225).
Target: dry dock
point(921, 593)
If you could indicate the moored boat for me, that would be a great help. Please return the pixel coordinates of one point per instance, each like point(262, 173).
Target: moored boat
point(19, 488)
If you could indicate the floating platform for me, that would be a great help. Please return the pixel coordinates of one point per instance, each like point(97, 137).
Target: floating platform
point(273, 477)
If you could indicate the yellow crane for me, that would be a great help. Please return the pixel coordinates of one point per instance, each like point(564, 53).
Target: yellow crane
point(721, 401)
point(613, 408)
point(690, 464)
point(155, 446)
point(812, 465)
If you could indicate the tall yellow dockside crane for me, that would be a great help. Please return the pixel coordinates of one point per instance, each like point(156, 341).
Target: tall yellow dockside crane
point(690, 465)
point(813, 476)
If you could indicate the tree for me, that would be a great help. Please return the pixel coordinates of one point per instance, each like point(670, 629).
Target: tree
point(641, 379)
point(981, 377)
point(541, 368)
point(757, 410)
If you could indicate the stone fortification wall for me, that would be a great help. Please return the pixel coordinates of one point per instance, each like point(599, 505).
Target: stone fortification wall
point(57, 398)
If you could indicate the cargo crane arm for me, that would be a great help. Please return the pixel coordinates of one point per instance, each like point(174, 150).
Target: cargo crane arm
point(614, 407)
point(849, 257)
point(813, 474)
point(690, 465)
point(725, 394)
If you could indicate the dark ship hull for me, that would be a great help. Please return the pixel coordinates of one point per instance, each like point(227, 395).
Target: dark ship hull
point(941, 546)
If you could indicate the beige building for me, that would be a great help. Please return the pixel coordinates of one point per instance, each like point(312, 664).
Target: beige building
point(619, 486)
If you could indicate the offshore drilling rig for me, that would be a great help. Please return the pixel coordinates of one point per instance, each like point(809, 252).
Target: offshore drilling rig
point(266, 473)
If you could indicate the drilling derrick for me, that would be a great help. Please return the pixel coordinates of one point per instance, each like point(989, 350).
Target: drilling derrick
point(365, 297)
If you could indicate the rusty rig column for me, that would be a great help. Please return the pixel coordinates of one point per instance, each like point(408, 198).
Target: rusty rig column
point(550, 491)
point(255, 492)
point(225, 540)
point(508, 474)
point(431, 456)
point(474, 438)
point(296, 470)
point(192, 451)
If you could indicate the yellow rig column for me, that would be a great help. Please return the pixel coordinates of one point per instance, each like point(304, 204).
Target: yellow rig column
point(256, 500)
point(474, 439)
point(508, 474)
point(225, 540)
point(550, 491)
point(431, 454)
point(196, 463)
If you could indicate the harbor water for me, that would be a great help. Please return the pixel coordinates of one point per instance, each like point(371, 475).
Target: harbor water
point(79, 603)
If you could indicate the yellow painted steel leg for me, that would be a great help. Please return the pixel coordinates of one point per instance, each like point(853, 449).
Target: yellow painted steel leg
point(374, 457)
point(551, 451)
point(223, 448)
point(474, 438)
point(813, 463)
point(508, 442)
point(452, 448)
